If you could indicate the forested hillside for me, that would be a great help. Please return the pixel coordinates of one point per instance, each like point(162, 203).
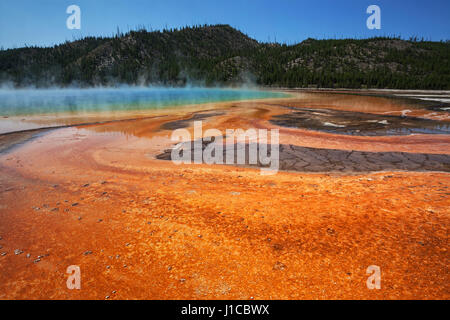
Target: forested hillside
point(221, 55)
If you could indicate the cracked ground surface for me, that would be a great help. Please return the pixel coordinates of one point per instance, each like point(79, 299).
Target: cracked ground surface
point(303, 159)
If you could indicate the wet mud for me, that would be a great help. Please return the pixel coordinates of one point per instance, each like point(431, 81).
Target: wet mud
point(359, 123)
point(185, 123)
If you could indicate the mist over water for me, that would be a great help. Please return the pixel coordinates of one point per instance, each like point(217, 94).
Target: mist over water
point(17, 102)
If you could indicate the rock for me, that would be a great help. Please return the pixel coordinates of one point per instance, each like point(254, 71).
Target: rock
point(235, 193)
point(87, 253)
point(86, 185)
point(37, 260)
point(74, 204)
point(3, 254)
point(28, 255)
point(17, 252)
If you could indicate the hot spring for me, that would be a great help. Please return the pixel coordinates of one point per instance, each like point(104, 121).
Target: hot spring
point(25, 109)
point(53, 101)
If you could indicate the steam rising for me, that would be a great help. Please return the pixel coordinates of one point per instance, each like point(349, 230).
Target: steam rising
point(15, 102)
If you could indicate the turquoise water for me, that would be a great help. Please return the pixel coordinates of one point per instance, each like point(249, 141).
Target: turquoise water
point(53, 101)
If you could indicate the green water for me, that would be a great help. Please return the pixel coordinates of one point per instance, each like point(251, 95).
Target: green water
point(54, 101)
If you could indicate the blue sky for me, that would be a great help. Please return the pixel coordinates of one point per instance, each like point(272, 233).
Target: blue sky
point(43, 22)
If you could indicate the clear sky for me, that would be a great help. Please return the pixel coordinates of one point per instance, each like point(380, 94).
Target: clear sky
point(43, 22)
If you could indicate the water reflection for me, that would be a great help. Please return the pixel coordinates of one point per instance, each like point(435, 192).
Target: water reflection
point(359, 123)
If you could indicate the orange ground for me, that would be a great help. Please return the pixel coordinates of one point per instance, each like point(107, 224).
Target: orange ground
point(160, 231)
